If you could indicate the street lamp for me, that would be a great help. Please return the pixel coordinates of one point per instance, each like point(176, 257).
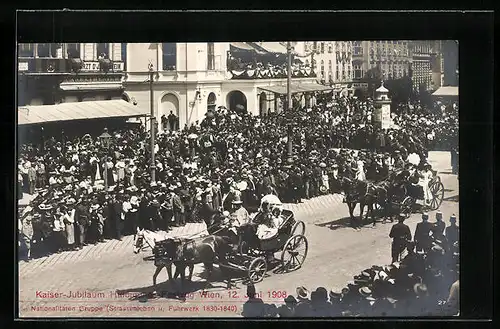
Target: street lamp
point(105, 140)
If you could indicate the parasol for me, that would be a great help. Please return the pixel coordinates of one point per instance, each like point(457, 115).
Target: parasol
point(192, 136)
point(271, 199)
point(414, 159)
point(240, 107)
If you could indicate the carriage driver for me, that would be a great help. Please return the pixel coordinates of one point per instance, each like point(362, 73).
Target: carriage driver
point(240, 215)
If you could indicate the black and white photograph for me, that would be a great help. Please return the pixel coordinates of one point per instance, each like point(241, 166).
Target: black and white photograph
point(250, 179)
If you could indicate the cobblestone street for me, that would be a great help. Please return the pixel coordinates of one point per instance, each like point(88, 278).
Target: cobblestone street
point(336, 253)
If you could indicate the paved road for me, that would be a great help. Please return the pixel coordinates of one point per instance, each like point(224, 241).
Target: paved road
point(336, 253)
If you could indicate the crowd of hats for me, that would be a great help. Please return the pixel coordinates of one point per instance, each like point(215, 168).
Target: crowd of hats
point(223, 149)
point(419, 285)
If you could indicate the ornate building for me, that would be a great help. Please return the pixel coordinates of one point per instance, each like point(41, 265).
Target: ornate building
point(332, 62)
point(53, 73)
point(190, 78)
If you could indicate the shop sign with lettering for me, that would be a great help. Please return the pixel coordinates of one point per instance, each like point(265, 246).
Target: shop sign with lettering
point(94, 66)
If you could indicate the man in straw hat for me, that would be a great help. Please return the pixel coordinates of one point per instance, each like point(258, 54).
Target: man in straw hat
point(303, 308)
point(240, 215)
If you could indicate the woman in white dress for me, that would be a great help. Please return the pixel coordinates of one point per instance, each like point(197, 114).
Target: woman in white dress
point(360, 172)
point(69, 223)
point(426, 177)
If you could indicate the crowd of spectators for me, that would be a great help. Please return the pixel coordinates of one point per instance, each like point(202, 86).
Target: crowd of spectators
point(198, 165)
point(424, 283)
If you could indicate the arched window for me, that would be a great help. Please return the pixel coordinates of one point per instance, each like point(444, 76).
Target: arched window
point(169, 56)
point(307, 62)
point(103, 50)
point(322, 47)
point(330, 65)
point(330, 49)
point(210, 56)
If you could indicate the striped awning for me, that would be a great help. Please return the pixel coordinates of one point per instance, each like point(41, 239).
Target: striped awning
point(272, 47)
point(78, 111)
point(298, 88)
point(242, 46)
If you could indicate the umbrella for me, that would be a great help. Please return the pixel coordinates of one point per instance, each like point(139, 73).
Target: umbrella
point(192, 136)
point(271, 199)
point(414, 159)
point(240, 107)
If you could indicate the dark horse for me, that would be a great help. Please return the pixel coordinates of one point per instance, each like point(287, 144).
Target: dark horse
point(366, 194)
point(185, 253)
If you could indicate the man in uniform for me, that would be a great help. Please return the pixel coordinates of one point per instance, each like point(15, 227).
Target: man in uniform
point(401, 235)
point(452, 232)
point(422, 234)
point(439, 226)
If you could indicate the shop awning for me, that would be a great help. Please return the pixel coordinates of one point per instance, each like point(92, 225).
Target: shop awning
point(78, 111)
point(298, 88)
point(446, 91)
point(272, 47)
point(242, 46)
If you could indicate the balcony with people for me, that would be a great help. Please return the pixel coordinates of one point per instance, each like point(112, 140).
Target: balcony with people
point(265, 60)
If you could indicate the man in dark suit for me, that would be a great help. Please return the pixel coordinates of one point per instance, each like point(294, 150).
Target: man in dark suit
point(422, 234)
point(178, 208)
point(116, 210)
point(83, 222)
point(401, 235)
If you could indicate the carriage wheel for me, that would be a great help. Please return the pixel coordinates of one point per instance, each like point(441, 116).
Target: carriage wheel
point(298, 226)
point(437, 191)
point(407, 206)
point(257, 269)
point(294, 253)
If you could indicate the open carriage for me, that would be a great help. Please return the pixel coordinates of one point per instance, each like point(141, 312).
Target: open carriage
point(255, 256)
point(404, 196)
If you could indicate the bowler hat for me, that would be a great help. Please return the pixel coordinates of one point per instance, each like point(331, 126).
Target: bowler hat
point(290, 300)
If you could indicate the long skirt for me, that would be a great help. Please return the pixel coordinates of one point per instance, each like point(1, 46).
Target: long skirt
point(70, 233)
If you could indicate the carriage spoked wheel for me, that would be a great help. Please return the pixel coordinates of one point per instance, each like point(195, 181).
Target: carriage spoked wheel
point(294, 253)
point(257, 269)
point(407, 206)
point(299, 228)
point(437, 191)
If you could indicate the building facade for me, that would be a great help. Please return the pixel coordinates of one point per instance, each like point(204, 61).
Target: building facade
point(332, 60)
point(392, 57)
point(189, 78)
point(426, 65)
point(53, 73)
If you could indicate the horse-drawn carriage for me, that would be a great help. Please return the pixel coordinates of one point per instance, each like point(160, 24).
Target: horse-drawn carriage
point(408, 195)
point(243, 253)
point(255, 256)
